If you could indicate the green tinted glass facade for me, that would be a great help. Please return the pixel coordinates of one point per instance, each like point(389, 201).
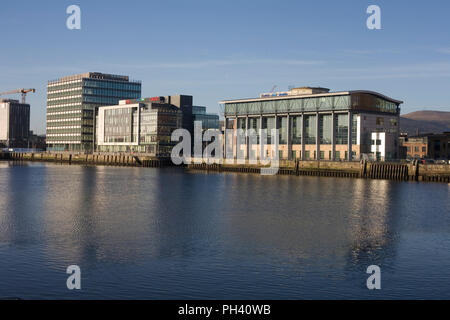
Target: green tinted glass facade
point(72, 103)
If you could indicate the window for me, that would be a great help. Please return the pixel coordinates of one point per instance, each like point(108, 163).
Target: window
point(282, 126)
point(380, 121)
point(307, 154)
point(342, 129)
point(416, 149)
point(424, 149)
point(322, 155)
point(325, 125)
point(310, 129)
point(296, 125)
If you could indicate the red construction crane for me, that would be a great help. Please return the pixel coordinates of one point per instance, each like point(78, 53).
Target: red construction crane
point(22, 91)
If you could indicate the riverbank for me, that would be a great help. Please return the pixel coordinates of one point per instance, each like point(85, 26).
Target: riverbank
point(91, 159)
point(367, 170)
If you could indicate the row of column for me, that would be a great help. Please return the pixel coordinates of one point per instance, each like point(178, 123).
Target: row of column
point(289, 138)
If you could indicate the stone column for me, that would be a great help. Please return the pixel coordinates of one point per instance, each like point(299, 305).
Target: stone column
point(247, 144)
point(261, 147)
point(273, 142)
point(303, 137)
point(333, 136)
point(317, 137)
point(350, 126)
point(289, 141)
point(225, 139)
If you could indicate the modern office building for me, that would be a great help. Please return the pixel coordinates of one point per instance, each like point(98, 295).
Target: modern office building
point(142, 126)
point(145, 126)
point(316, 124)
point(14, 124)
point(428, 146)
point(72, 103)
point(208, 120)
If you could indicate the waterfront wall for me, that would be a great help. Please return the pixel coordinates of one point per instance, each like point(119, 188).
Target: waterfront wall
point(92, 159)
point(369, 170)
point(4, 156)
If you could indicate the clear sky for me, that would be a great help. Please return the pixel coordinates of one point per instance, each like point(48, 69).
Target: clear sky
point(217, 50)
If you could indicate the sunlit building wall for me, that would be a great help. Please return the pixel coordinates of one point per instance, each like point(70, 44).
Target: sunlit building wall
point(316, 124)
point(72, 103)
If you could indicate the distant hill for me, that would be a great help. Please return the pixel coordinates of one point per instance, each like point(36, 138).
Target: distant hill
point(425, 121)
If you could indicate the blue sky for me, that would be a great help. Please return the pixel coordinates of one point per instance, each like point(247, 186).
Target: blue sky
point(217, 50)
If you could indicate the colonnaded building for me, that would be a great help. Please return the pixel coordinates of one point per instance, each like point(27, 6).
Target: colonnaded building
point(316, 124)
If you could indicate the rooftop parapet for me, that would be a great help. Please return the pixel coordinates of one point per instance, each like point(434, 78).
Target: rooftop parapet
point(94, 75)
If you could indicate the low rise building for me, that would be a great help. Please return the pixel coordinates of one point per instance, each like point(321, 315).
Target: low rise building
point(315, 123)
point(138, 126)
point(14, 123)
point(428, 146)
point(145, 125)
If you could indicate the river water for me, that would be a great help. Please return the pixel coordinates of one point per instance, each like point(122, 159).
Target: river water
point(168, 234)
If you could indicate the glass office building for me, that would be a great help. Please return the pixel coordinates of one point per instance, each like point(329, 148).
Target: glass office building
point(142, 126)
point(208, 120)
point(72, 103)
point(316, 124)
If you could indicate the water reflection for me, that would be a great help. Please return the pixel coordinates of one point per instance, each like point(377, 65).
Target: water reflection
point(20, 203)
point(310, 219)
point(98, 214)
point(210, 235)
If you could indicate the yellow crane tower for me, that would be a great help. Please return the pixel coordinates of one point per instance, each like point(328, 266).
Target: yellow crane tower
point(22, 91)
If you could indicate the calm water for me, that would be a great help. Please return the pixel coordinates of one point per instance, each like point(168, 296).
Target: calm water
point(163, 233)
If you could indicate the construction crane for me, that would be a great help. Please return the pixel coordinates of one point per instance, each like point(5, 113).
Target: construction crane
point(273, 88)
point(22, 91)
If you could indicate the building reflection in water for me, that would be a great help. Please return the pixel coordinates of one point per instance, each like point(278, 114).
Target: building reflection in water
point(373, 221)
point(127, 215)
point(100, 214)
point(308, 220)
point(20, 204)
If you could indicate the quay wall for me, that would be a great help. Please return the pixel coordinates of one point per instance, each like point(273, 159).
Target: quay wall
point(366, 170)
point(92, 159)
point(369, 170)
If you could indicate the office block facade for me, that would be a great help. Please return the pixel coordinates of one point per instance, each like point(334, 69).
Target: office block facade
point(143, 126)
point(208, 120)
point(72, 103)
point(14, 124)
point(315, 124)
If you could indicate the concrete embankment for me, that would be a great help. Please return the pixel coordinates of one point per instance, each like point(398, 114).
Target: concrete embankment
point(4, 156)
point(92, 159)
point(368, 170)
